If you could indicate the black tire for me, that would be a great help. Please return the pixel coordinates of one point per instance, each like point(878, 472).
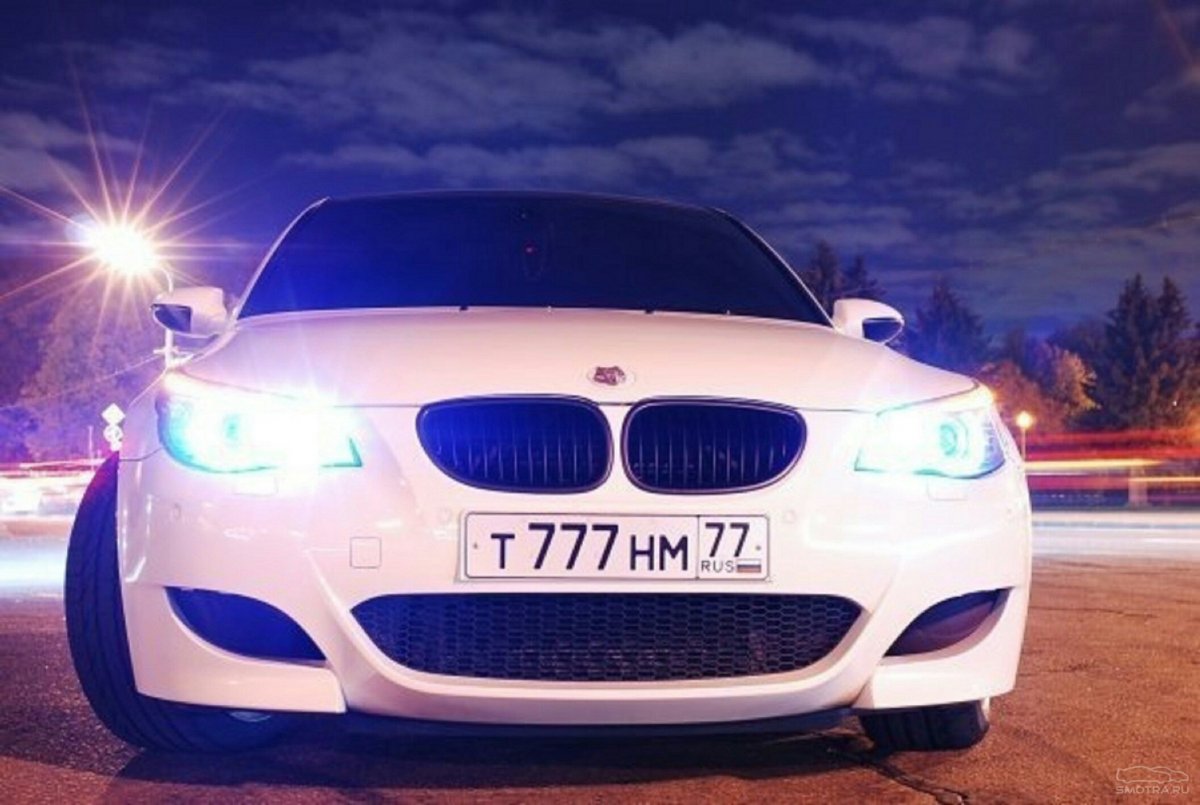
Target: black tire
point(100, 646)
point(948, 726)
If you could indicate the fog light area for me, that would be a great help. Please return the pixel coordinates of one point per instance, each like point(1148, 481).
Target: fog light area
point(946, 623)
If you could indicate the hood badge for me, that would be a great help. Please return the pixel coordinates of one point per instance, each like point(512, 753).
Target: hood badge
point(608, 375)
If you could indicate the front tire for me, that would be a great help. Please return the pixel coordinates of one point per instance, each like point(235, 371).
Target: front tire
point(947, 726)
point(100, 646)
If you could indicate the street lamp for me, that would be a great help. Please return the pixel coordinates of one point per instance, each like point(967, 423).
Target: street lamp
point(1024, 421)
point(130, 252)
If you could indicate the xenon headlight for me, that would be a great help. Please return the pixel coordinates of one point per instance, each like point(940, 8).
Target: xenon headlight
point(223, 429)
point(954, 437)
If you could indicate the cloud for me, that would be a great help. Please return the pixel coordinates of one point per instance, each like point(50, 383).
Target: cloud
point(1164, 100)
point(137, 64)
point(418, 80)
point(463, 164)
point(761, 164)
point(32, 169)
point(933, 58)
point(960, 203)
point(711, 65)
point(35, 151)
point(1087, 211)
point(1146, 170)
point(851, 226)
point(25, 129)
point(441, 74)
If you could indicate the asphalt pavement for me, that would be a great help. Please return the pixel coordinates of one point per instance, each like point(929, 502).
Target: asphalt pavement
point(1110, 679)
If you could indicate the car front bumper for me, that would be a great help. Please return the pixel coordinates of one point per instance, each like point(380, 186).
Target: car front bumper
point(895, 545)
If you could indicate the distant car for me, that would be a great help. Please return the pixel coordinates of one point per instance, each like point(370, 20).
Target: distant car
point(552, 460)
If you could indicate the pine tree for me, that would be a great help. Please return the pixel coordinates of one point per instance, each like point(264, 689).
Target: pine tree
point(1085, 338)
point(858, 283)
point(824, 275)
point(1146, 373)
point(948, 333)
point(1180, 387)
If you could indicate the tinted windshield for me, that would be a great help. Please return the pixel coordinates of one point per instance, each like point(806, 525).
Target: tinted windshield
point(524, 251)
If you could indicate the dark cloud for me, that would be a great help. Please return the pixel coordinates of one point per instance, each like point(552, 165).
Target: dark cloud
point(135, 65)
point(1161, 101)
point(1145, 170)
point(40, 152)
point(746, 165)
point(932, 58)
point(855, 228)
point(447, 74)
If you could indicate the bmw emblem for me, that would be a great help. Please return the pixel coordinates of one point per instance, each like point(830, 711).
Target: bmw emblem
point(608, 375)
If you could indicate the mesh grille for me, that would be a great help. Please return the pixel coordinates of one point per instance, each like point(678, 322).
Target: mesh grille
point(606, 637)
point(710, 446)
point(518, 444)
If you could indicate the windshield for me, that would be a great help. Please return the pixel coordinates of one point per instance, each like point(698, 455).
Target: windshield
point(525, 250)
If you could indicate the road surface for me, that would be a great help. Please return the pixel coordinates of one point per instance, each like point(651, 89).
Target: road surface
point(1110, 679)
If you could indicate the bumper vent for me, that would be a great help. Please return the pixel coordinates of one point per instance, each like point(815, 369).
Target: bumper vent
point(703, 446)
point(243, 625)
point(530, 444)
point(606, 637)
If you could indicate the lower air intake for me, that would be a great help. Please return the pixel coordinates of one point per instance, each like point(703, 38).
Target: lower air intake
point(606, 637)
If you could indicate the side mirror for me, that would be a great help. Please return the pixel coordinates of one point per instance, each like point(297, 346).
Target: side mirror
point(191, 311)
point(866, 318)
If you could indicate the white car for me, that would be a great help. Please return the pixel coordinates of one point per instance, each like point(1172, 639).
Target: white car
point(552, 460)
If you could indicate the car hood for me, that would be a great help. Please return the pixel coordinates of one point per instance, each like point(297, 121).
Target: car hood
point(414, 357)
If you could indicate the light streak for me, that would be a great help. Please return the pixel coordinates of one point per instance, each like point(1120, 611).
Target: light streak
point(1085, 465)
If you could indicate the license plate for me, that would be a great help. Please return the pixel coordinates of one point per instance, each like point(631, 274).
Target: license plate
point(622, 547)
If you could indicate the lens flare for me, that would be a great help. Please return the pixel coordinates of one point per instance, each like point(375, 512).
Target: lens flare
point(131, 216)
point(122, 248)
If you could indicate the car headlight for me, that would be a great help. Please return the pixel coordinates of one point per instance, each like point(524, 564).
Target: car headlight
point(223, 429)
point(954, 437)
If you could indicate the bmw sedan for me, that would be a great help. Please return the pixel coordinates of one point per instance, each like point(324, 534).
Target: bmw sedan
point(546, 460)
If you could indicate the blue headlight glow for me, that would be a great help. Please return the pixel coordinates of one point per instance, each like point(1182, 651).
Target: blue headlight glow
point(222, 429)
point(954, 437)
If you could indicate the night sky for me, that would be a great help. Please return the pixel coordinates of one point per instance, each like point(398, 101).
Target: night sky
point(1036, 151)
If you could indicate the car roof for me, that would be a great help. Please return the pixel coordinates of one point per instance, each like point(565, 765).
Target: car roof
point(537, 195)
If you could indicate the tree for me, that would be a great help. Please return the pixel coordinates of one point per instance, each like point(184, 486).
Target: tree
point(1146, 371)
point(1084, 338)
point(1178, 348)
point(15, 425)
point(829, 282)
point(1061, 376)
point(824, 275)
point(86, 363)
point(1066, 380)
point(20, 348)
point(1016, 392)
point(858, 283)
point(948, 333)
